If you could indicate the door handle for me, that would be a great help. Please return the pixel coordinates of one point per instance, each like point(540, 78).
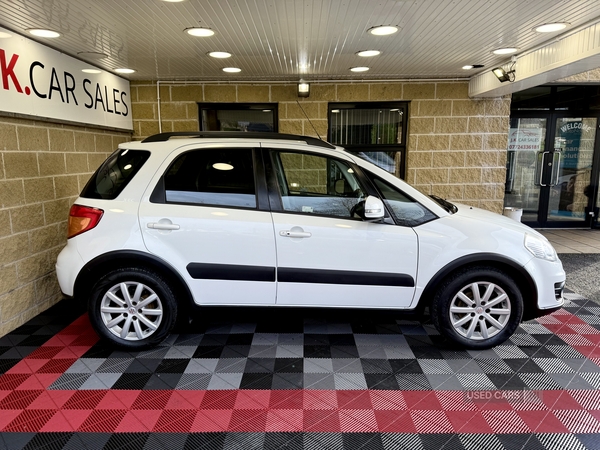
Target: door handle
point(555, 168)
point(163, 226)
point(295, 234)
point(541, 174)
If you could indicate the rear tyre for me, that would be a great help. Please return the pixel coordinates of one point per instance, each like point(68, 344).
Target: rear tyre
point(132, 308)
point(477, 308)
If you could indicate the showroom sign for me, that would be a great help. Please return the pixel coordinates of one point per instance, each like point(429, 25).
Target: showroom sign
point(38, 81)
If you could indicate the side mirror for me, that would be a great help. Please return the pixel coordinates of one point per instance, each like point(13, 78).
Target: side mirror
point(374, 208)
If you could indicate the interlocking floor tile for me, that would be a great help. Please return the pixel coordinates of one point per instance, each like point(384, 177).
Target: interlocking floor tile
point(297, 382)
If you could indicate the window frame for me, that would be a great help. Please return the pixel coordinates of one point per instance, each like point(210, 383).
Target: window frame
point(276, 196)
point(372, 177)
point(239, 107)
point(402, 147)
point(260, 188)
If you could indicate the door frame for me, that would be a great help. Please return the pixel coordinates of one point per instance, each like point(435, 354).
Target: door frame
point(545, 191)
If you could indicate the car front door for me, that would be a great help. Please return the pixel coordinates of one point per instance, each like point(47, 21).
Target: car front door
point(205, 218)
point(326, 254)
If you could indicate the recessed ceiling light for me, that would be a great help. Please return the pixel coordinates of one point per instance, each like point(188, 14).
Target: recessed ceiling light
point(359, 69)
point(335, 111)
point(505, 51)
point(383, 30)
point(124, 70)
point(222, 166)
point(4, 35)
point(219, 54)
point(91, 71)
point(266, 110)
point(472, 66)
point(199, 31)
point(92, 55)
point(467, 67)
point(551, 27)
point(231, 69)
point(43, 33)
point(367, 53)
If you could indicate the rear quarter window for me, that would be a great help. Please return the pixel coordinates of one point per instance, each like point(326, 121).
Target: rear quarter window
point(114, 174)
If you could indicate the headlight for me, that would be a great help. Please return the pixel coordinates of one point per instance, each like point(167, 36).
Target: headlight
point(540, 248)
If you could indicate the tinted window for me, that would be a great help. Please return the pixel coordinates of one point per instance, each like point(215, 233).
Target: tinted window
point(317, 185)
point(405, 210)
point(222, 177)
point(114, 174)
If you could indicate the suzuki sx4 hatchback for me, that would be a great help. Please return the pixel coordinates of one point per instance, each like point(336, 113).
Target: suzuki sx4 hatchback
point(263, 219)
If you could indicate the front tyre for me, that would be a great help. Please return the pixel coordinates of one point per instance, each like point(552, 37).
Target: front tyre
point(477, 308)
point(132, 308)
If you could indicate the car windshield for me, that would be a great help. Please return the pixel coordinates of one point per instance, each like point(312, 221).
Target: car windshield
point(450, 207)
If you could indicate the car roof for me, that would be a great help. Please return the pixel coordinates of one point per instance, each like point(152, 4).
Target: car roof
point(194, 136)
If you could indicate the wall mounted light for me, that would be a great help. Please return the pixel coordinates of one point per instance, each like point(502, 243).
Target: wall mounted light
point(503, 75)
point(303, 89)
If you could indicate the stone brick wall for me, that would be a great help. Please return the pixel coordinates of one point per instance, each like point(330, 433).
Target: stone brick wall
point(456, 145)
point(590, 76)
point(43, 167)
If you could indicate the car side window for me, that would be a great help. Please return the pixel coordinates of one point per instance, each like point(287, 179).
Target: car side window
point(114, 174)
point(220, 177)
point(317, 185)
point(406, 211)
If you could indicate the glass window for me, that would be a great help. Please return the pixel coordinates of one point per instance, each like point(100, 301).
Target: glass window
point(238, 117)
point(375, 131)
point(360, 126)
point(405, 210)
point(539, 97)
point(114, 174)
point(317, 185)
point(222, 177)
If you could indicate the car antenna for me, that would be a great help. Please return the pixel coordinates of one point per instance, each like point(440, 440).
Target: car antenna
point(309, 121)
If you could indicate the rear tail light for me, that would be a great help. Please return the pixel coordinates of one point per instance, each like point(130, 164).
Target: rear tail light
point(82, 219)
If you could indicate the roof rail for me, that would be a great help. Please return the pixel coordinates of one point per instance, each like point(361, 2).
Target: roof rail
point(162, 137)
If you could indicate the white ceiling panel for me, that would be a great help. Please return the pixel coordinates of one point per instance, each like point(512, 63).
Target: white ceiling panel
point(276, 39)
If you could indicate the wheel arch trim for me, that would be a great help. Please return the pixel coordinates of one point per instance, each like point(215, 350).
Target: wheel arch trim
point(120, 258)
point(524, 279)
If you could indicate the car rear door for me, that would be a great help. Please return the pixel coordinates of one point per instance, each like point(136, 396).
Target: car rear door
point(325, 256)
point(207, 217)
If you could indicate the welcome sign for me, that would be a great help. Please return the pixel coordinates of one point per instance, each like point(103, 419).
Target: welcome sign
point(39, 81)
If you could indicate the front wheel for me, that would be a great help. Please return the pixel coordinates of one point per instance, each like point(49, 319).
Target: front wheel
point(132, 308)
point(477, 308)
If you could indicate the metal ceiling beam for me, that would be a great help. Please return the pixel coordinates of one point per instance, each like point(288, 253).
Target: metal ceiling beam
point(566, 55)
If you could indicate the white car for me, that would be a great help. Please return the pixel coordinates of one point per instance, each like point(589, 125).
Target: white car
point(184, 220)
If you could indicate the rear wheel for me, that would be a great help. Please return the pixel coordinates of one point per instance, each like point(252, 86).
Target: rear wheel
point(477, 308)
point(132, 308)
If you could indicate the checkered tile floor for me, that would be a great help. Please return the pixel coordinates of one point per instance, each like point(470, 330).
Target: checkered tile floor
point(287, 380)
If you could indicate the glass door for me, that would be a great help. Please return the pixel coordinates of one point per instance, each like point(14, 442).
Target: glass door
point(549, 169)
point(570, 175)
point(527, 141)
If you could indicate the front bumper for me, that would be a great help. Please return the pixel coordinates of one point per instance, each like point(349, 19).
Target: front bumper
point(549, 278)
